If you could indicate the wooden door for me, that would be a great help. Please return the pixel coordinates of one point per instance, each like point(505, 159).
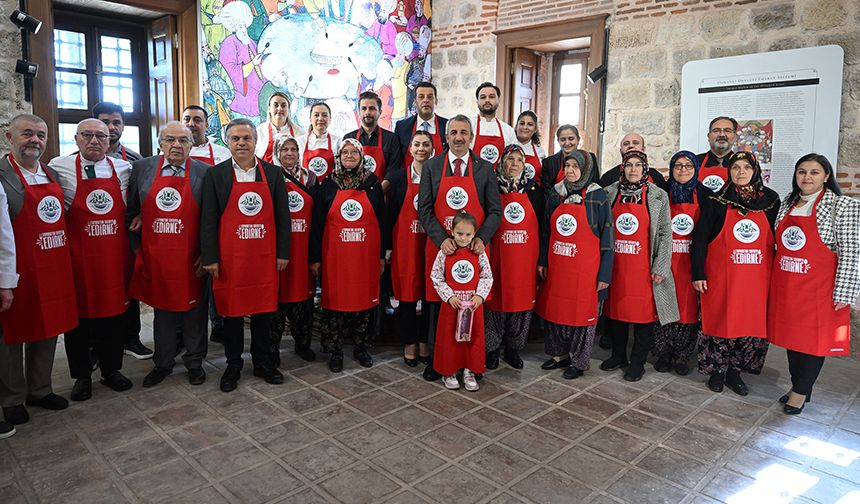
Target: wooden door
point(162, 92)
point(524, 69)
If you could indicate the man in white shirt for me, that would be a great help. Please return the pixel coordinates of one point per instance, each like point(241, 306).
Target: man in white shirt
point(195, 119)
point(8, 281)
point(492, 135)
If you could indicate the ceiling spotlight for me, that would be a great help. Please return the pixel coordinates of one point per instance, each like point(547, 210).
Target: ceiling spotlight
point(597, 74)
point(26, 68)
point(25, 21)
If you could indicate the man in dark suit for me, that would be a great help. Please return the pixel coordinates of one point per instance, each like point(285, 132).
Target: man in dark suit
point(244, 242)
point(632, 141)
point(458, 158)
point(426, 119)
point(167, 273)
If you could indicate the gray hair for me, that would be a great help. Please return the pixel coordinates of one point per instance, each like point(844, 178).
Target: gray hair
point(461, 118)
point(280, 140)
point(175, 123)
point(26, 117)
point(241, 121)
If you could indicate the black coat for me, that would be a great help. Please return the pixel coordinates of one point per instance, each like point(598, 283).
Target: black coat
point(614, 174)
point(403, 130)
point(550, 167)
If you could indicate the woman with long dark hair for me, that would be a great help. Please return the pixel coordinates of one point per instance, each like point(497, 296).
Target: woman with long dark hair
point(815, 277)
point(528, 139)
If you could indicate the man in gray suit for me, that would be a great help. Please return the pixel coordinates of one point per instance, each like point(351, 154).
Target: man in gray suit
point(163, 211)
point(457, 160)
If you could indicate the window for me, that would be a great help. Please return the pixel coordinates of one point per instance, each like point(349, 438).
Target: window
point(569, 103)
point(96, 62)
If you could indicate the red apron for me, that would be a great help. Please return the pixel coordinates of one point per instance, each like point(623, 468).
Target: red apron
point(456, 193)
point(123, 153)
point(490, 148)
point(374, 159)
point(98, 239)
point(738, 272)
point(210, 160)
point(350, 254)
point(296, 281)
point(270, 147)
point(800, 308)
point(631, 295)
point(437, 142)
point(712, 177)
point(319, 161)
point(684, 219)
point(247, 281)
point(44, 304)
point(568, 296)
point(165, 276)
point(515, 255)
point(407, 254)
point(534, 167)
point(450, 356)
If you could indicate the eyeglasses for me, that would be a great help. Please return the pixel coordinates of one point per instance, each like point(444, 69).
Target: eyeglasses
point(684, 166)
point(634, 165)
point(171, 140)
point(89, 135)
point(717, 131)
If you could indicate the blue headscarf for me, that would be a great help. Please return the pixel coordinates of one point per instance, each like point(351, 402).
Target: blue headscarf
point(683, 193)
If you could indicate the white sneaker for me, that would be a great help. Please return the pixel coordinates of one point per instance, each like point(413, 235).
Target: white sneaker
point(469, 381)
point(451, 382)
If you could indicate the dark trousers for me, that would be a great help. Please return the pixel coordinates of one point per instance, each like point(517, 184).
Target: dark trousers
point(643, 334)
point(105, 335)
point(131, 318)
point(174, 330)
point(234, 340)
point(804, 369)
point(411, 325)
point(432, 310)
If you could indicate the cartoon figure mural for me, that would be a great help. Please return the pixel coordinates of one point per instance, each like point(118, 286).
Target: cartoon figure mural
point(313, 50)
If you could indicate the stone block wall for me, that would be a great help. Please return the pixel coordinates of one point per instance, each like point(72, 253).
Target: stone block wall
point(12, 84)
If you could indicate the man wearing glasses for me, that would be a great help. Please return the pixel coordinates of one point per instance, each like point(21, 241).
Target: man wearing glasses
point(722, 135)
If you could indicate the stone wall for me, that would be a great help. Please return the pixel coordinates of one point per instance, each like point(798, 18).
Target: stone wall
point(11, 83)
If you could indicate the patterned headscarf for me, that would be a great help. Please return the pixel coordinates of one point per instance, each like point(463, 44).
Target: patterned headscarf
point(683, 193)
point(631, 192)
point(570, 191)
point(296, 171)
point(748, 198)
point(507, 184)
point(349, 178)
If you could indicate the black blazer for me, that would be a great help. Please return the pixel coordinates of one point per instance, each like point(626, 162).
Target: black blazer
point(403, 130)
point(614, 174)
point(488, 196)
point(216, 191)
point(550, 166)
point(391, 149)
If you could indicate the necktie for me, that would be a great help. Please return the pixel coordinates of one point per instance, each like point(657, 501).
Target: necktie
point(458, 167)
point(90, 170)
point(425, 126)
point(177, 170)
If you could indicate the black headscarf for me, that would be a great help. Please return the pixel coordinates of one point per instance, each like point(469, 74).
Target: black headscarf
point(683, 193)
point(751, 197)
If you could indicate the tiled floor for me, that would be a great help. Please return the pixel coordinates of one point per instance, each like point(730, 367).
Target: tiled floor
point(385, 435)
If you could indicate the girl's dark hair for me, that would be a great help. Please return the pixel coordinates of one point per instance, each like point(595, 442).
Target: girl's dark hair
point(323, 104)
point(828, 169)
point(422, 133)
point(465, 217)
point(535, 135)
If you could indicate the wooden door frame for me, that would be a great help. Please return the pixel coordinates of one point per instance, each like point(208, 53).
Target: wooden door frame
point(560, 58)
point(592, 26)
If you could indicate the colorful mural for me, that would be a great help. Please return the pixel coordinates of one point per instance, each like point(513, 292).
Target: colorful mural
point(313, 50)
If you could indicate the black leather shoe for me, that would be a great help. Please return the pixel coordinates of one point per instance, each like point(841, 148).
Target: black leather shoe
point(138, 350)
point(512, 357)
point(156, 376)
point(196, 376)
point(410, 362)
point(716, 382)
point(116, 381)
point(492, 359)
point(335, 363)
point(605, 342)
point(572, 373)
point(634, 373)
point(734, 382)
point(51, 402)
point(430, 374)
point(269, 375)
point(424, 359)
point(16, 415)
point(791, 410)
point(363, 357)
point(662, 365)
point(681, 368)
point(230, 378)
point(82, 390)
point(554, 364)
point(306, 354)
point(6, 430)
point(614, 363)
point(784, 398)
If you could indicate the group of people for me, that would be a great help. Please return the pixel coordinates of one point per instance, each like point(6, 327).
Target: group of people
point(441, 215)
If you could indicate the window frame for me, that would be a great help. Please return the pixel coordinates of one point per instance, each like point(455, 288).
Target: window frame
point(559, 60)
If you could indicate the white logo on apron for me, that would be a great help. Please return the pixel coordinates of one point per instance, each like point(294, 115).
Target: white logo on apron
point(627, 224)
point(99, 202)
point(457, 198)
point(296, 201)
point(369, 163)
point(351, 210)
point(250, 204)
point(49, 209)
point(682, 224)
point(463, 271)
point(713, 182)
point(490, 153)
point(514, 212)
point(565, 224)
point(168, 199)
point(415, 202)
point(746, 231)
point(793, 238)
point(318, 165)
point(530, 171)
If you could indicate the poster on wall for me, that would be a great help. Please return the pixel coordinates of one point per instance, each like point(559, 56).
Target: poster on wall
point(314, 51)
point(787, 104)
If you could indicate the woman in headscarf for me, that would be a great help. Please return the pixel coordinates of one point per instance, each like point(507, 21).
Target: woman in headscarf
point(815, 277)
point(296, 292)
point(731, 257)
point(643, 289)
point(515, 248)
point(347, 249)
point(675, 343)
point(576, 265)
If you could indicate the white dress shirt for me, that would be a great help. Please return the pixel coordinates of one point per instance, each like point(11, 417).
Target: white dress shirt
point(311, 142)
point(414, 176)
point(8, 274)
point(431, 124)
point(491, 128)
point(68, 178)
point(805, 210)
point(30, 178)
point(243, 175)
point(168, 169)
point(452, 158)
point(263, 136)
point(220, 153)
point(530, 148)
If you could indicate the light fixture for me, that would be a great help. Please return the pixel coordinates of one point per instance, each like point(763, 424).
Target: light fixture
point(27, 69)
point(25, 21)
point(597, 74)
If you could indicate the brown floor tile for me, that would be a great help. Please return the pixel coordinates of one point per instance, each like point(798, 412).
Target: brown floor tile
point(155, 398)
point(520, 406)
point(617, 392)
point(450, 404)
point(686, 392)
point(306, 496)
point(314, 373)
point(636, 486)
point(749, 461)
point(239, 398)
point(39, 455)
point(413, 389)
point(254, 417)
point(831, 489)
point(381, 375)
point(453, 484)
point(642, 425)
point(165, 482)
point(616, 444)
point(208, 495)
point(664, 408)
point(411, 420)
point(514, 378)
point(11, 494)
point(408, 462)
point(545, 487)
point(304, 401)
point(202, 435)
point(451, 441)
point(344, 387)
point(591, 406)
point(497, 463)
point(140, 455)
point(728, 406)
point(534, 442)
point(270, 391)
point(549, 391)
point(262, 483)
point(230, 458)
point(406, 497)
point(726, 484)
point(319, 460)
point(488, 422)
point(177, 415)
point(795, 425)
point(54, 483)
point(844, 447)
point(775, 444)
point(564, 423)
point(697, 444)
point(376, 403)
point(336, 418)
point(368, 439)
point(489, 391)
point(674, 467)
point(719, 425)
point(359, 485)
point(285, 437)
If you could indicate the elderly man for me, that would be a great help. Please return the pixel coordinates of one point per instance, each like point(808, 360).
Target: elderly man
point(244, 242)
point(632, 141)
point(44, 304)
point(425, 119)
point(164, 198)
point(195, 119)
point(722, 135)
point(94, 187)
point(456, 180)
